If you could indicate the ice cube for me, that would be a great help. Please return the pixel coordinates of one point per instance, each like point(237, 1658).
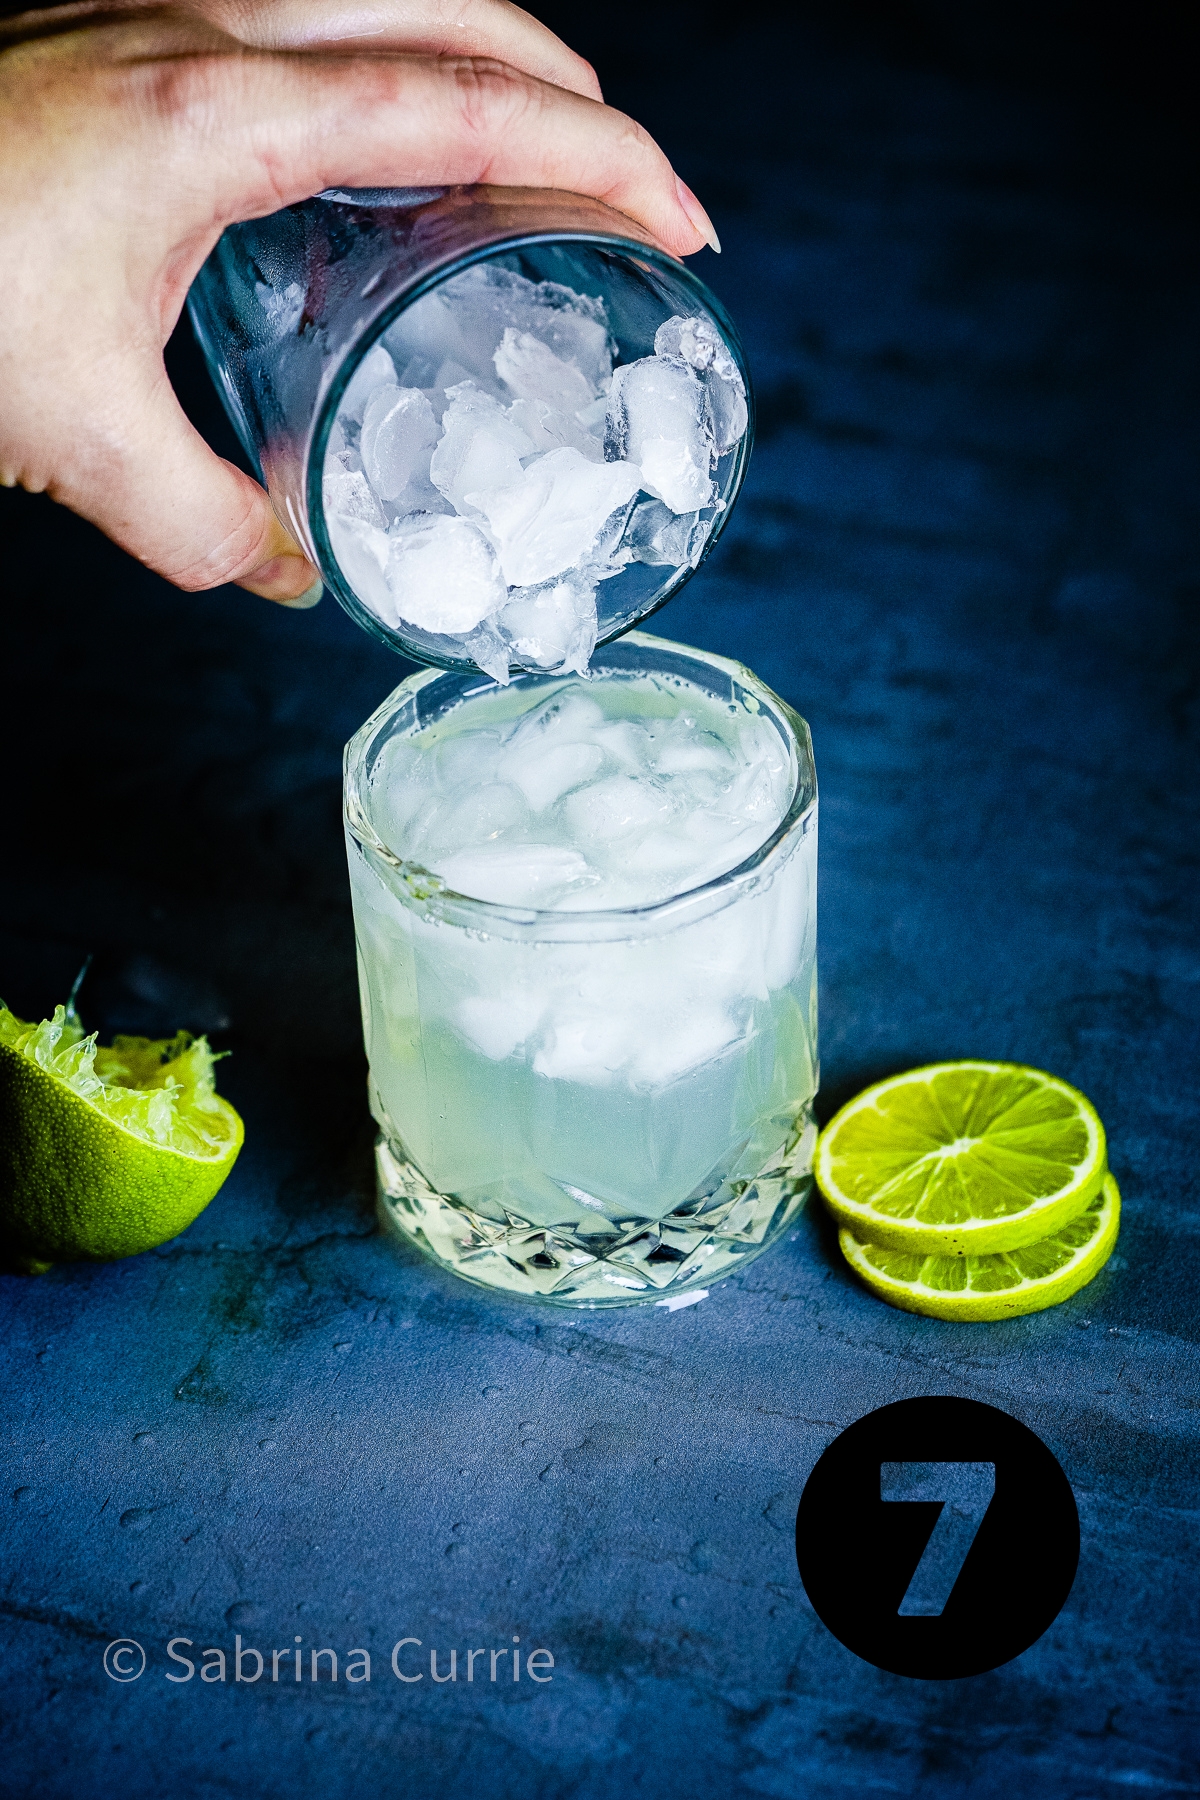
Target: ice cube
point(418, 370)
point(399, 432)
point(687, 750)
point(546, 521)
point(552, 626)
point(405, 800)
point(629, 745)
point(475, 820)
point(665, 856)
point(462, 323)
point(590, 1046)
point(347, 493)
point(700, 1032)
point(574, 326)
point(442, 573)
point(449, 374)
point(440, 329)
point(592, 417)
point(674, 470)
point(695, 341)
point(458, 760)
point(547, 428)
point(567, 718)
point(717, 846)
point(699, 343)
point(656, 535)
point(757, 793)
point(375, 370)
point(656, 418)
point(609, 554)
point(728, 414)
point(545, 774)
point(616, 807)
point(489, 651)
point(515, 874)
point(497, 1024)
point(532, 371)
point(362, 550)
point(481, 449)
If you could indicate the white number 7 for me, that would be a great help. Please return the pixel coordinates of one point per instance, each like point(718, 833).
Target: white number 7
point(965, 1490)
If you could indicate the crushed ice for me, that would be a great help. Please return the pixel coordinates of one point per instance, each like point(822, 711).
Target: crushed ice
point(489, 468)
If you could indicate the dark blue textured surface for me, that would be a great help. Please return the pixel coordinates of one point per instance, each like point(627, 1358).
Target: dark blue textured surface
point(967, 553)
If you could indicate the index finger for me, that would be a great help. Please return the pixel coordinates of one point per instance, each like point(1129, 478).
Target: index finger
point(490, 28)
point(263, 130)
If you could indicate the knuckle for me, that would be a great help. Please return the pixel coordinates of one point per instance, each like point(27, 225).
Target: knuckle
point(634, 163)
point(490, 96)
point(184, 94)
point(632, 139)
point(239, 551)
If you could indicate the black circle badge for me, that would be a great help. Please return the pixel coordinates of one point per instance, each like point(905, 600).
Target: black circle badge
point(937, 1538)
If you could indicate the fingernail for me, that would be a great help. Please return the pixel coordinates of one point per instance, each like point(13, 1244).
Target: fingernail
point(310, 597)
point(697, 217)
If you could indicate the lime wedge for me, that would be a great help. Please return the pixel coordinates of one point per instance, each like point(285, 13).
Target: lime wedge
point(1000, 1286)
point(961, 1159)
point(104, 1152)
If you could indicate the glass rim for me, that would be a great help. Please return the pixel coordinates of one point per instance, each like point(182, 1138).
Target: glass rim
point(425, 283)
point(562, 922)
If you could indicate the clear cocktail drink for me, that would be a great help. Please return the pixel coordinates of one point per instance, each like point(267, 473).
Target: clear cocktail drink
point(586, 926)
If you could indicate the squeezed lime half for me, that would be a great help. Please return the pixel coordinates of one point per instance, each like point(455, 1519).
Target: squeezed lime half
point(104, 1152)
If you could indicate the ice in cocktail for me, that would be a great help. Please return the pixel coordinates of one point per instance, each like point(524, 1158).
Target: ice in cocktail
point(586, 928)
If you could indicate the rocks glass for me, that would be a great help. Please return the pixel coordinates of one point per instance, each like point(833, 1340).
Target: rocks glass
point(676, 1148)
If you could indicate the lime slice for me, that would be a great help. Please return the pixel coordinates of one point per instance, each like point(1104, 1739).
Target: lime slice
point(999, 1286)
point(104, 1152)
point(960, 1159)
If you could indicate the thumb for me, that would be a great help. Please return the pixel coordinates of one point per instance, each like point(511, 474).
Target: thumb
point(152, 483)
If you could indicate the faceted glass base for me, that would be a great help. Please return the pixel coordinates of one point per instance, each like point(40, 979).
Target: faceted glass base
point(619, 1264)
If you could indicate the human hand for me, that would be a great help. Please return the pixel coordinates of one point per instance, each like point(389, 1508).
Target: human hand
point(131, 135)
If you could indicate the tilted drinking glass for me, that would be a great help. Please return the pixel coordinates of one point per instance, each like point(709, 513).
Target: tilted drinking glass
point(288, 307)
